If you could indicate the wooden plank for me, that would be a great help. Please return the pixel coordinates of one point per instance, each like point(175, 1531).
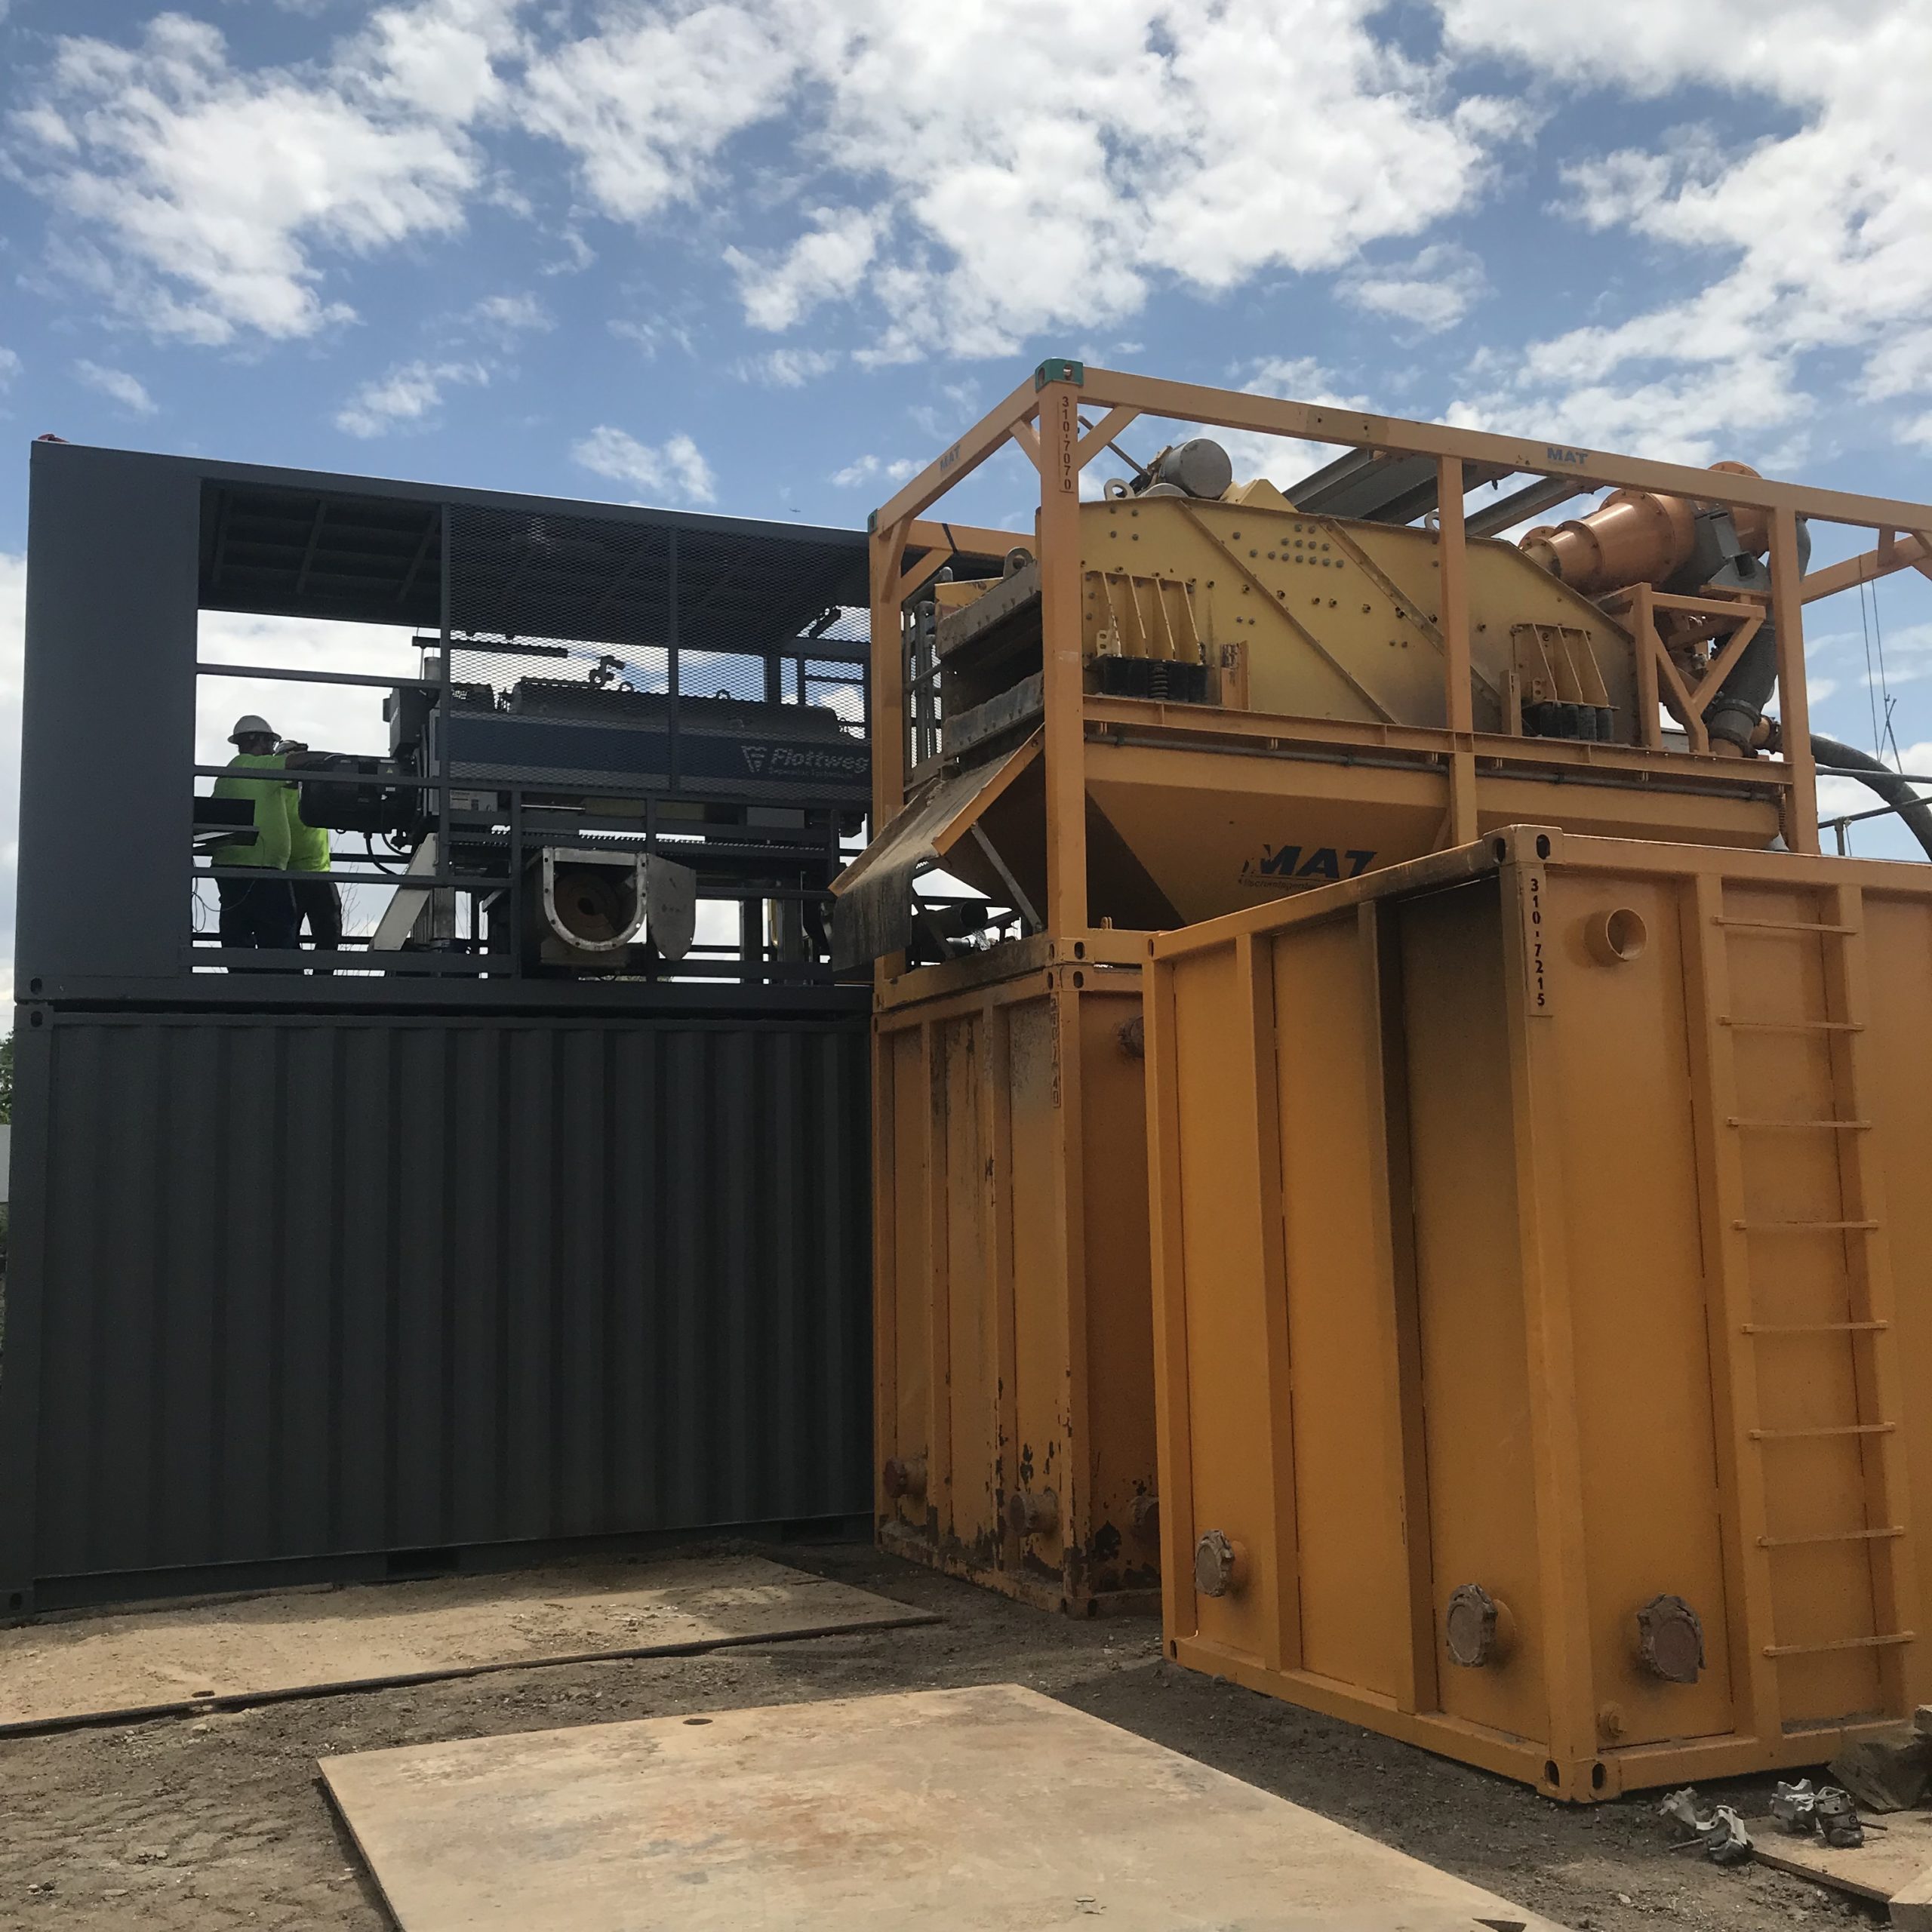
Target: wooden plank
point(1888, 1862)
point(990, 1807)
point(1912, 1907)
point(307, 1643)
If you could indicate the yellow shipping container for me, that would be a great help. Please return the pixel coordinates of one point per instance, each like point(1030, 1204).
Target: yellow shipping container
point(1013, 1352)
point(1541, 1251)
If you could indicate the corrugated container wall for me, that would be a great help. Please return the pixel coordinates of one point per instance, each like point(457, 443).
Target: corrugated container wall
point(1543, 1279)
point(297, 1287)
point(1014, 1347)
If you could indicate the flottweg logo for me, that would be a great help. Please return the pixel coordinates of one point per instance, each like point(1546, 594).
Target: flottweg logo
point(754, 757)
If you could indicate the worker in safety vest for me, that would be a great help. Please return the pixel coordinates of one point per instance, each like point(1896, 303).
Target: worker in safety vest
point(256, 912)
point(318, 898)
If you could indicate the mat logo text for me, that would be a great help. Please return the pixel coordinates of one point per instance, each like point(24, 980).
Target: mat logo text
point(1284, 862)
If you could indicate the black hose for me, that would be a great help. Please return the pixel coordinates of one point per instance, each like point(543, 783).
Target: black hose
point(1882, 779)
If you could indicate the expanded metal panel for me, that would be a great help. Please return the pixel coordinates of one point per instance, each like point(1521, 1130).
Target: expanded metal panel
point(547, 574)
point(308, 1286)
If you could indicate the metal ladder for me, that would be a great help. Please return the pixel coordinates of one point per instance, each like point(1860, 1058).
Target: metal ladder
point(1848, 1333)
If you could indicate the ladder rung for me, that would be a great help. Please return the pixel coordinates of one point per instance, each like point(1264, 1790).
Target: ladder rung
point(1794, 1025)
point(1778, 926)
point(1798, 1227)
point(1841, 1643)
point(1833, 1536)
point(1842, 1126)
point(1814, 1328)
point(1807, 1434)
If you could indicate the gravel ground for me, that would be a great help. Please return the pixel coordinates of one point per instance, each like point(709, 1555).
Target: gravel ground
point(220, 1821)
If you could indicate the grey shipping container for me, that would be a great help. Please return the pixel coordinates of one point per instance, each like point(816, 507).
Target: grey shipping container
point(306, 1290)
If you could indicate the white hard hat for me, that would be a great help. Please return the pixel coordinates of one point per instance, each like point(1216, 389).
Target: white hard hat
point(250, 726)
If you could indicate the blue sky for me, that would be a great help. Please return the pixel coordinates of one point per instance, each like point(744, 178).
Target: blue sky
point(768, 257)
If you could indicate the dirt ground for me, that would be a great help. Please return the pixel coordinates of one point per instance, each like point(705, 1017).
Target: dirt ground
point(220, 1821)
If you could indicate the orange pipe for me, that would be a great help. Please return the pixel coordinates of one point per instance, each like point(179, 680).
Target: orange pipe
point(1638, 537)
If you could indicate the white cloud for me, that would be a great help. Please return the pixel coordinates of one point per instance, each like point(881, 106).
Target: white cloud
point(1817, 234)
point(789, 368)
point(407, 394)
point(1697, 415)
point(435, 58)
point(1051, 204)
point(654, 334)
point(674, 467)
point(972, 176)
point(200, 199)
point(646, 104)
point(827, 263)
point(577, 255)
point(1905, 650)
point(513, 314)
point(873, 468)
point(1299, 378)
point(117, 384)
point(10, 366)
point(1432, 291)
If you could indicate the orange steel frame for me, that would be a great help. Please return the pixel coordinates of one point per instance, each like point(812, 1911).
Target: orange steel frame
point(1042, 417)
point(1062, 418)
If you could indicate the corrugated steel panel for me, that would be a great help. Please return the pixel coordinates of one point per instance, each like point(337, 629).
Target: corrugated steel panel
point(1014, 1376)
point(299, 1286)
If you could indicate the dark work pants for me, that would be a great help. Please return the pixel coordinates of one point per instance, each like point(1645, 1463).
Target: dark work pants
point(258, 912)
point(318, 901)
